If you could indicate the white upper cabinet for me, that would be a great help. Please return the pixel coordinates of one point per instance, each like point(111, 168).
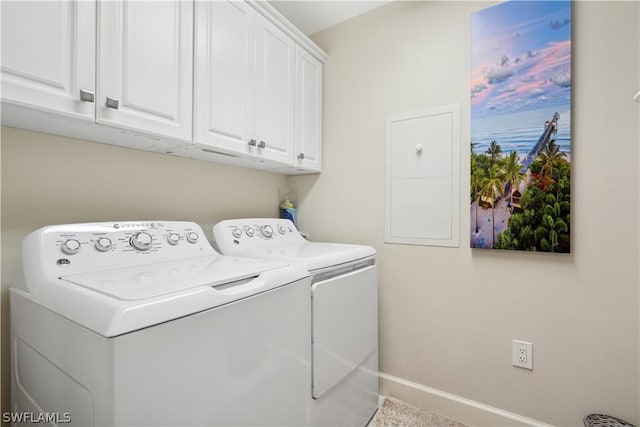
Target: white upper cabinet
point(244, 84)
point(139, 79)
point(275, 69)
point(308, 129)
point(145, 56)
point(48, 56)
point(220, 80)
point(224, 68)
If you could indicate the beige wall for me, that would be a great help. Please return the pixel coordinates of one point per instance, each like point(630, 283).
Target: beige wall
point(447, 316)
point(54, 180)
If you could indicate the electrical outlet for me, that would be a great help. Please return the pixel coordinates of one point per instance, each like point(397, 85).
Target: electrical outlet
point(522, 354)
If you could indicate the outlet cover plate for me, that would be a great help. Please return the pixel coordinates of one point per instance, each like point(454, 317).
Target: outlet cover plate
point(522, 354)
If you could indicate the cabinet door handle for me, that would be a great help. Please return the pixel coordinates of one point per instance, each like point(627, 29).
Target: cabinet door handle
point(252, 142)
point(86, 95)
point(112, 103)
point(262, 144)
point(301, 156)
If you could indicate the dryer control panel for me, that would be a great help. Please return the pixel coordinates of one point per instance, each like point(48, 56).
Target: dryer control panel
point(233, 234)
point(78, 248)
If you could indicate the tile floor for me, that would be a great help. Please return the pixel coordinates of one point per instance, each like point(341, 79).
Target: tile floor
point(395, 413)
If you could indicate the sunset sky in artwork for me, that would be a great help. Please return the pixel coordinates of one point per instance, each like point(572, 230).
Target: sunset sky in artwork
point(521, 57)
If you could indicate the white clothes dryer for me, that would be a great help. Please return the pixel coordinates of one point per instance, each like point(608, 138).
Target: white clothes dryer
point(144, 324)
point(344, 313)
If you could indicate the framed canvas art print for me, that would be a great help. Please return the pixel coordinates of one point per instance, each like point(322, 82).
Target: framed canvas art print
point(520, 192)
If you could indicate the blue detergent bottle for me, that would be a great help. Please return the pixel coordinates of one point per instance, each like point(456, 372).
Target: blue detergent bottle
point(288, 211)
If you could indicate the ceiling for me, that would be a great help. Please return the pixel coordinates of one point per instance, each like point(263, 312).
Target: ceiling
point(311, 16)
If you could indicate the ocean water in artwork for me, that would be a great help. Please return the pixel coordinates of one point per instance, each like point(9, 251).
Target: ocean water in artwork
point(520, 131)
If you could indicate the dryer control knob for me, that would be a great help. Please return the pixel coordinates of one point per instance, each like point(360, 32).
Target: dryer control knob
point(103, 244)
point(71, 246)
point(251, 232)
point(192, 237)
point(281, 229)
point(266, 231)
point(141, 241)
point(237, 232)
point(173, 239)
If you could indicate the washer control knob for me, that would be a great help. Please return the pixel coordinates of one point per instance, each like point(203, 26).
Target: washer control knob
point(173, 239)
point(237, 232)
point(71, 246)
point(141, 241)
point(281, 229)
point(192, 237)
point(266, 231)
point(251, 232)
point(103, 244)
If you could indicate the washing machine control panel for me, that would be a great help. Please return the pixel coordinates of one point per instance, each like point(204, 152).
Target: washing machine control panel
point(242, 234)
point(95, 246)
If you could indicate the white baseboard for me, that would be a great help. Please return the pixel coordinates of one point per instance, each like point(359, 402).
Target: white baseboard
point(451, 406)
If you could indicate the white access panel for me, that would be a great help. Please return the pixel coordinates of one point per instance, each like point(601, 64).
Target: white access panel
point(423, 177)
point(345, 327)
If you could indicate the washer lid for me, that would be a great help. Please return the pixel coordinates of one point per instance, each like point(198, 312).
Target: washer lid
point(148, 281)
point(119, 301)
point(312, 255)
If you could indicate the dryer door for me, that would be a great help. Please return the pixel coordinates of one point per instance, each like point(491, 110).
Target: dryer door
point(344, 326)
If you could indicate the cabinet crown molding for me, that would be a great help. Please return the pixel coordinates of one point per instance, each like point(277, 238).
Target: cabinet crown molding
point(277, 19)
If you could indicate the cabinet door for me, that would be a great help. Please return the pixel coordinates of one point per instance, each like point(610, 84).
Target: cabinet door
point(308, 111)
point(145, 53)
point(275, 76)
point(223, 75)
point(48, 55)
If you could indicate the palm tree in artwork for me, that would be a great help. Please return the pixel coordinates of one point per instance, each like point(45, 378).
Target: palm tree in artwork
point(494, 151)
point(550, 157)
point(491, 190)
point(477, 178)
point(553, 226)
point(512, 173)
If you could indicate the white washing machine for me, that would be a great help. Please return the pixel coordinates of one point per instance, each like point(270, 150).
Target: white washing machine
point(144, 324)
point(344, 291)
